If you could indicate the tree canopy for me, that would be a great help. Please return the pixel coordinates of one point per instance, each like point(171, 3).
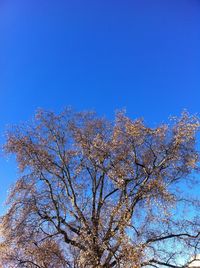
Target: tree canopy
point(100, 194)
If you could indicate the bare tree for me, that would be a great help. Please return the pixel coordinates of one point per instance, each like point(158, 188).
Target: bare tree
point(95, 193)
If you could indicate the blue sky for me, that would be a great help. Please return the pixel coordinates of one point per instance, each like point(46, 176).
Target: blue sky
point(103, 55)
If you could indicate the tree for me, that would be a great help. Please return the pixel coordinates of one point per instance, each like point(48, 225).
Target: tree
point(94, 193)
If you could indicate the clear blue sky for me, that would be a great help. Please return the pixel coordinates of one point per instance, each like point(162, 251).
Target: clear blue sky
point(101, 54)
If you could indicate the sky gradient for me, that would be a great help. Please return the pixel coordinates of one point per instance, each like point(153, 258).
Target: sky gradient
point(101, 55)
